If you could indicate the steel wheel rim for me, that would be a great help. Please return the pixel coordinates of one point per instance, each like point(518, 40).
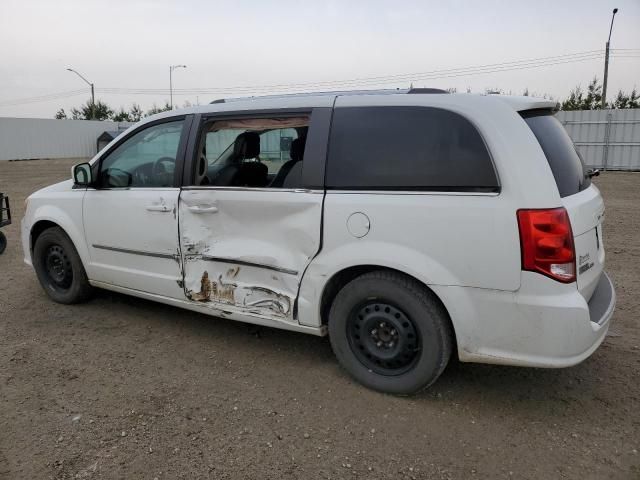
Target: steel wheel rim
point(383, 338)
point(58, 267)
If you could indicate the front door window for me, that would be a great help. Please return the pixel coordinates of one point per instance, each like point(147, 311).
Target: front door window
point(147, 159)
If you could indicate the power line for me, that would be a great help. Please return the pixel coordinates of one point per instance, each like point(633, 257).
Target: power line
point(433, 74)
point(42, 98)
point(438, 74)
point(353, 82)
point(346, 83)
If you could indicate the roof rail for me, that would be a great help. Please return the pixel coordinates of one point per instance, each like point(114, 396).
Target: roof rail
point(388, 91)
point(427, 90)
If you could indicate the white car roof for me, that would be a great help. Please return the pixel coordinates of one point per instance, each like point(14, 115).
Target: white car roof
point(359, 97)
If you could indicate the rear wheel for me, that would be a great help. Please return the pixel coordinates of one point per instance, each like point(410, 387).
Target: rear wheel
point(390, 332)
point(59, 267)
point(3, 242)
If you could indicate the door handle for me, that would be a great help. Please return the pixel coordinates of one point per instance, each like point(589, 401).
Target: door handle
point(203, 209)
point(158, 208)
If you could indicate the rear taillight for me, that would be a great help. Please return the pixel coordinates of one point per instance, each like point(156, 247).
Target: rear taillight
point(546, 243)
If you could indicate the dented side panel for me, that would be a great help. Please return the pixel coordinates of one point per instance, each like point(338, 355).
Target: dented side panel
point(248, 249)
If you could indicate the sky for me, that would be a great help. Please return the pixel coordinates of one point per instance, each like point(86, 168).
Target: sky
point(249, 47)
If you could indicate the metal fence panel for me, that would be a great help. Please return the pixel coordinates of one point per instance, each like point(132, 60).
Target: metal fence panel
point(35, 138)
point(607, 139)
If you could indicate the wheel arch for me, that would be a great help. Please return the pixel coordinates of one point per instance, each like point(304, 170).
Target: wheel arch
point(340, 278)
point(37, 229)
point(48, 217)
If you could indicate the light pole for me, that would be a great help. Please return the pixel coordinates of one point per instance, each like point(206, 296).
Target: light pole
point(93, 98)
point(606, 63)
point(171, 69)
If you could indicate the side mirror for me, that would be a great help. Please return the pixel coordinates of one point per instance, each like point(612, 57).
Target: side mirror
point(82, 175)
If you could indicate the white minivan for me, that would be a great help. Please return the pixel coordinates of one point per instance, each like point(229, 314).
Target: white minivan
point(408, 225)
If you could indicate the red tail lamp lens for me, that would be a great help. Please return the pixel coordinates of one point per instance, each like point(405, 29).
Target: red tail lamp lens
point(546, 243)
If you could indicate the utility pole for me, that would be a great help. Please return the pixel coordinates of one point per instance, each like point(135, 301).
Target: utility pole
point(606, 63)
point(171, 69)
point(93, 97)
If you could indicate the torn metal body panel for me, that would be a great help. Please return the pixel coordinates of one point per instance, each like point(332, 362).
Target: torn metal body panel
point(248, 249)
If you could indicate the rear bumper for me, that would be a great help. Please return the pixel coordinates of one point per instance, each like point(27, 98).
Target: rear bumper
point(544, 324)
point(603, 301)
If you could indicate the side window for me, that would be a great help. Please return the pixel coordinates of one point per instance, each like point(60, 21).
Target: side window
point(566, 164)
point(146, 159)
point(407, 148)
point(258, 153)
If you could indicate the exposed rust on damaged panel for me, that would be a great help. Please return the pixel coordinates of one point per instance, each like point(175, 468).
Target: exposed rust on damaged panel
point(220, 291)
point(204, 295)
point(224, 292)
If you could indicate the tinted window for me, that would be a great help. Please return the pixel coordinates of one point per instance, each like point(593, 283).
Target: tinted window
point(417, 148)
point(565, 163)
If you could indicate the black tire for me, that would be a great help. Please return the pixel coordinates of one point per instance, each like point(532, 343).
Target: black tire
point(417, 341)
point(59, 267)
point(3, 243)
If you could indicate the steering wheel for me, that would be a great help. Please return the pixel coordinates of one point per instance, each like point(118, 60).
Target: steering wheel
point(160, 173)
point(158, 165)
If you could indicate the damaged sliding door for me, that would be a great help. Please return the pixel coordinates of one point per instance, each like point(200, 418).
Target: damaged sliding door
point(250, 223)
point(245, 250)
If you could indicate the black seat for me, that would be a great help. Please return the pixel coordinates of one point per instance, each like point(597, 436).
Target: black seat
point(296, 153)
point(251, 174)
point(245, 146)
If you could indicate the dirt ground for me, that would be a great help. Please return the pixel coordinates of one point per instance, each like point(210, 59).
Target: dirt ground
point(125, 388)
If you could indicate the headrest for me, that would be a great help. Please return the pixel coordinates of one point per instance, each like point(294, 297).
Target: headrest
point(246, 145)
point(251, 174)
point(297, 149)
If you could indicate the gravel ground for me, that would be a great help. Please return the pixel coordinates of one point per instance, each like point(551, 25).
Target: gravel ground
point(125, 388)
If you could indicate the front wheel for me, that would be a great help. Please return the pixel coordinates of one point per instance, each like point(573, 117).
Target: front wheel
point(390, 333)
point(59, 267)
point(3, 243)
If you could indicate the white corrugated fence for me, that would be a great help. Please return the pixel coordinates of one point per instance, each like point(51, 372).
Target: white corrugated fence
point(606, 139)
point(40, 138)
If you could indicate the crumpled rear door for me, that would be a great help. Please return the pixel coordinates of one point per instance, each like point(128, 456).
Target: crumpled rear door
point(245, 250)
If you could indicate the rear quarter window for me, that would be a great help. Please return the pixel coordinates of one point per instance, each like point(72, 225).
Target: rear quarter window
point(564, 160)
point(407, 148)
